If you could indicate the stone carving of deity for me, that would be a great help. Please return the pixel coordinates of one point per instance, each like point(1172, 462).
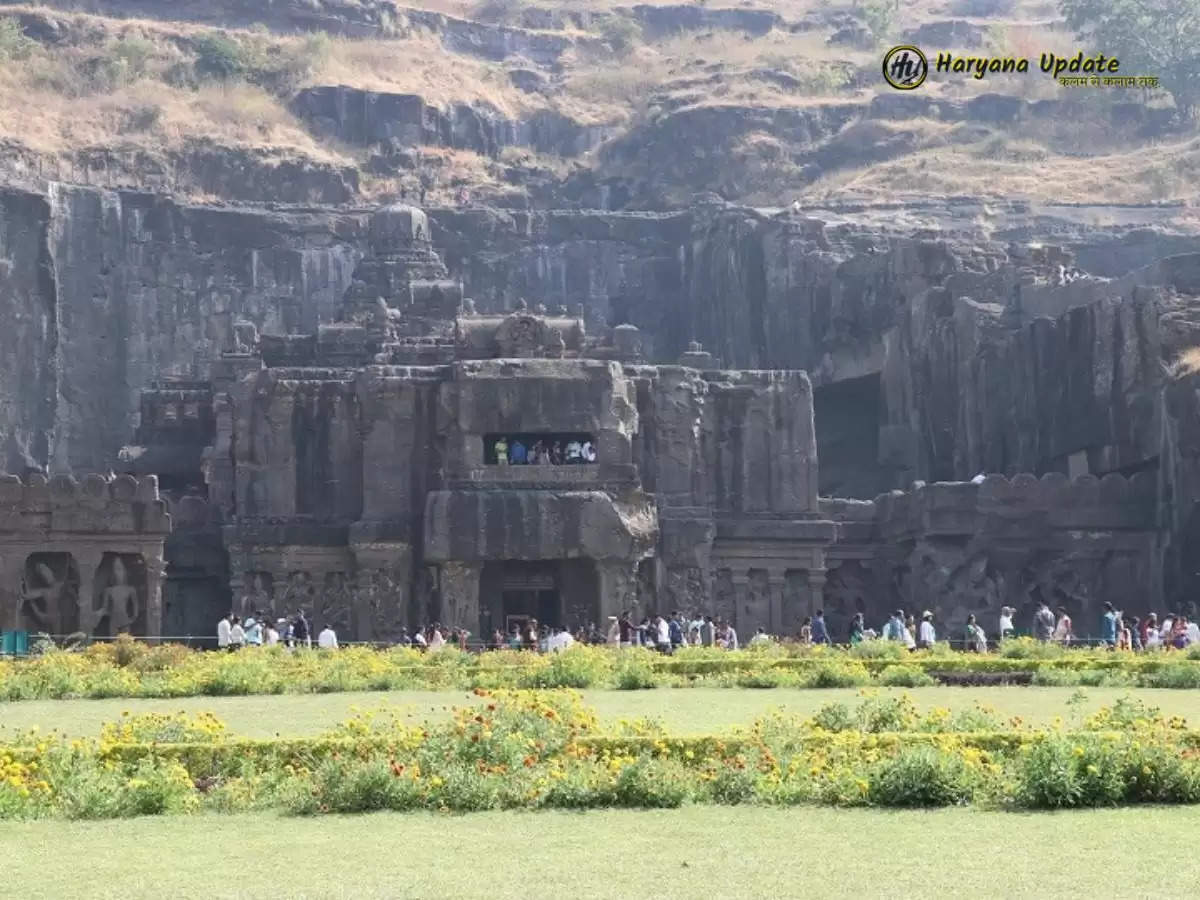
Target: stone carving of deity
point(259, 598)
point(120, 600)
point(334, 602)
point(42, 597)
point(298, 594)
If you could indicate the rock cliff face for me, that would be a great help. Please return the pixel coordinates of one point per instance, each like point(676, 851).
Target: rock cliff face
point(931, 357)
point(109, 291)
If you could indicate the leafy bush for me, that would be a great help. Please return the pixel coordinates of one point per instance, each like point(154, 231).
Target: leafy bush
point(835, 717)
point(620, 33)
point(219, 57)
point(830, 674)
point(765, 678)
point(1173, 675)
point(576, 667)
point(878, 16)
point(651, 784)
point(634, 670)
point(1029, 648)
point(13, 42)
point(921, 776)
point(905, 676)
point(1060, 772)
point(732, 785)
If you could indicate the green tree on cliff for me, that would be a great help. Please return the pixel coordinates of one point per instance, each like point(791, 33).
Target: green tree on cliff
point(1149, 37)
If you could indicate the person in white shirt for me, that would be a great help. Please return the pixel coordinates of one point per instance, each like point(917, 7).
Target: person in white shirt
point(436, 641)
point(419, 641)
point(613, 638)
point(223, 633)
point(574, 451)
point(588, 452)
point(760, 637)
point(662, 634)
point(327, 639)
point(927, 636)
point(560, 640)
point(271, 636)
point(1006, 625)
point(237, 634)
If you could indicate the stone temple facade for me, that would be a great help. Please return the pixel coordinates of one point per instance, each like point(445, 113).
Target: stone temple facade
point(351, 472)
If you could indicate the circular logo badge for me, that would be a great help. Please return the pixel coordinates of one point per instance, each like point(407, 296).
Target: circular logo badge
point(905, 67)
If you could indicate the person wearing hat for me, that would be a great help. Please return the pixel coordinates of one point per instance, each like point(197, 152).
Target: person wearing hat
point(926, 636)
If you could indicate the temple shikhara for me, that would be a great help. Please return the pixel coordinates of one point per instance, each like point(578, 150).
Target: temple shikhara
point(418, 461)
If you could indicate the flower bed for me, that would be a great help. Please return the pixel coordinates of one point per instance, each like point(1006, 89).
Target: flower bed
point(128, 669)
point(544, 749)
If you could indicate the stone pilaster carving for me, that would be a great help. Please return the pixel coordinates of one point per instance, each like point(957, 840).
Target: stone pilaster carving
point(459, 588)
point(156, 573)
point(618, 587)
point(88, 562)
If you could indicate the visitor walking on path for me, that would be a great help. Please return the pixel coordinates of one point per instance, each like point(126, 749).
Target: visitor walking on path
point(856, 630)
point(300, 630)
point(927, 636)
point(1043, 622)
point(223, 628)
point(1063, 631)
point(820, 633)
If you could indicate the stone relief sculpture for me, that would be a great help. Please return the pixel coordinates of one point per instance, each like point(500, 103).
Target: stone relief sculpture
point(757, 606)
point(724, 596)
point(381, 596)
point(847, 589)
point(520, 336)
point(120, 601)
point(298, 594)
point(333, 604)
point(259, 597)
point(685, 588)
point(48, 593)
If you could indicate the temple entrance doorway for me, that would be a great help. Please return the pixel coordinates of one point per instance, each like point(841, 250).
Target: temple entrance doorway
point(514, 591)
point(556, 592)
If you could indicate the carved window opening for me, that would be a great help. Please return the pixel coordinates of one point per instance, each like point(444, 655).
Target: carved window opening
point(539, 448)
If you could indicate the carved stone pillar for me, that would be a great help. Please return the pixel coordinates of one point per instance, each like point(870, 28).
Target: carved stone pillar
point(741, 589)
point(777, 587)
point(11, 572)
point(816, 591)
point(459, 588)
point(618, 587)
point(156, 570)
point(88, 564)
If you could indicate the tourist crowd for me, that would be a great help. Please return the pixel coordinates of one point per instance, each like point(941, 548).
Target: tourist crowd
point(668, 633)
point(543, 452)
point(234, 632)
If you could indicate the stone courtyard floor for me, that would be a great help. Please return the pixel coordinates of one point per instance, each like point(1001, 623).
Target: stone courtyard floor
point(683, 711)
point(695, 852)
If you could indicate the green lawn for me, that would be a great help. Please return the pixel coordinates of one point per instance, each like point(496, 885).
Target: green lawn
point(700, 851)
point(696, 710)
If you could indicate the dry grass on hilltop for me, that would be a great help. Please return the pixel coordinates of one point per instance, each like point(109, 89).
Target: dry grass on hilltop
point(1165, 172)
point(418, 66)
